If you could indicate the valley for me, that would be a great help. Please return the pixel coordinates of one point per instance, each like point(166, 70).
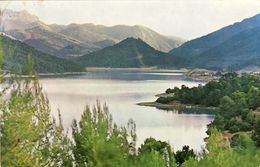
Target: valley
point(130, 83)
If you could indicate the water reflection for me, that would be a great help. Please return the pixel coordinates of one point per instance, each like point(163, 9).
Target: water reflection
point(121, 91)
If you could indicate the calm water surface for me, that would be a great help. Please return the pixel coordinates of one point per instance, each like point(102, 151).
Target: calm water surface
point(121, 91)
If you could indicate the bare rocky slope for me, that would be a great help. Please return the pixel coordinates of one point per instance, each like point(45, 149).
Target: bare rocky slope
point(77, 39)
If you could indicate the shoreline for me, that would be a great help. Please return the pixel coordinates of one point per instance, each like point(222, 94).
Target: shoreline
point(59, 74)
point(148, 69)
point(101, 69)
point(175, 105)
point(45, 75)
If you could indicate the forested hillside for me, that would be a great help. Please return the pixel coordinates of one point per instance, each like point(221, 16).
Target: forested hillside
point(233, 47)
point(237, 99)
point(130, 52)
point(17, 56)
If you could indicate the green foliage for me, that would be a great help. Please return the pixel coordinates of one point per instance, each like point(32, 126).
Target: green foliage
point(213, 91)
point(60, 147)
point(227, 107)
point(219, 122)
point(236, 114)
point(219, 153)
point(236, 97)
point(256, 133)
point(241, 141)
point(154, 147)
point(99, 142)
point(165, 100)
point(1, 55)
point(28, 67)
point(28, 134)
point(254, 97)
point(151, 159)
point(183, 155)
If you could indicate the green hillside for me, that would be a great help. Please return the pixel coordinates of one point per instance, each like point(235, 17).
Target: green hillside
point(15, 58)
point(241, 50)
point(130, 53)
point(233, 47)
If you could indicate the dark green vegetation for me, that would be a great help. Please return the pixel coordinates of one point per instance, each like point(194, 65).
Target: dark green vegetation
point(18, 56)
point(213, 91)
point(231, 48)
point(130, 52)
point(237, 98)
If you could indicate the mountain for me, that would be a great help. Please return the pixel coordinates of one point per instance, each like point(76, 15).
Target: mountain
point(16, 57)
point(238, 52)
point(77, 39)
point(231, 48)
point(30, 30)
point(91, 32)
point(129, 53)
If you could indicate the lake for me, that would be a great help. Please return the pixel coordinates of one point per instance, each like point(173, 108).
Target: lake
point(121, 90)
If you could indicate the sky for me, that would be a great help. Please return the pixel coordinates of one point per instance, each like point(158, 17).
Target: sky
point(187, 19)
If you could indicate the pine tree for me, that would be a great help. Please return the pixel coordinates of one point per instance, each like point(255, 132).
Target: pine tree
point(256, 133)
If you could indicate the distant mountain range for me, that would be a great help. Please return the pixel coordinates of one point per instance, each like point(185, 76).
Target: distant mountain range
point(16, 54)
point(129, 53)
point(77, 39)
point(234, 47)
point(231, 48)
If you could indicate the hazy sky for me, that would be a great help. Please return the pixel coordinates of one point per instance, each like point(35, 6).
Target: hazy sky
point(183, 18)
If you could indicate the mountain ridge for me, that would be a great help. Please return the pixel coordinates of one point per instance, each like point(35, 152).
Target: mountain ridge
point(201, 51)
point(20, 26)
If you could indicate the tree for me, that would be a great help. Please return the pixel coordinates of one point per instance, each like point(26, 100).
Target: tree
point(27, 131)
point(240, 99)
point(28, 67)
point(241, 141)
point(256, 133)
point(219, 122)
point(60, 147)
point(229, 76)
point(151, 146)
point(183, 155)
point(99, 142)
point(219, 153)
point(1, 54)
point(254, 97)
point(151, 159)
point(227, 107)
